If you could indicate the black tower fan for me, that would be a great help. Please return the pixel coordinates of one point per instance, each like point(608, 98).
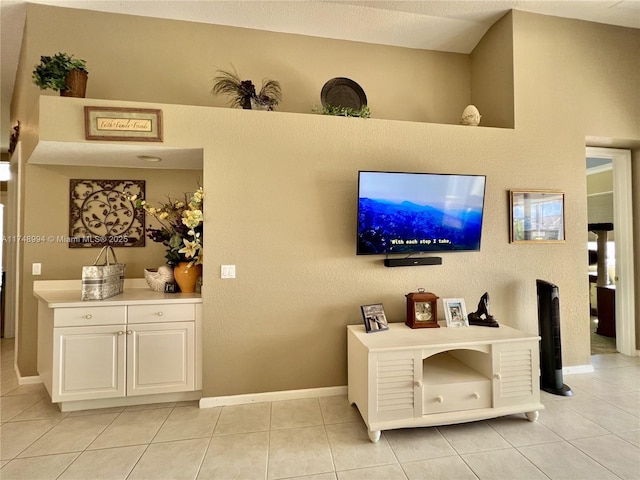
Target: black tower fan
point(550, 348)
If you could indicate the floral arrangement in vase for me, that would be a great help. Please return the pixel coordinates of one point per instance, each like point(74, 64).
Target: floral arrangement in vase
point(180, 230)
point(181, 224)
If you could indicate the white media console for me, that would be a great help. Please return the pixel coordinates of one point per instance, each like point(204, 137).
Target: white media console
point(405, 377)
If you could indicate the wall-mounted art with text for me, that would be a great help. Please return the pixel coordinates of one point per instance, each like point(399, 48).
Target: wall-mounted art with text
point(101, 213)
point(123, 124)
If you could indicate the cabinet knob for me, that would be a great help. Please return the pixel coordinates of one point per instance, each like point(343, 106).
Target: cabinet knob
point(497, 376)
point(129, 332)
point(88, 316)
point(439, 399)
point(417, 383)
point(120, 332)
point(476, 396)
point(159, 314)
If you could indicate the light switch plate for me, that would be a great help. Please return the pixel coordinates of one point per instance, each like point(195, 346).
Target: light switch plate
point(227, 271)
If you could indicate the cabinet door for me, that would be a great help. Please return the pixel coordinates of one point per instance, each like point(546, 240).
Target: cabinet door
point(160, 358)
point(396, 392)
point(516, 369)
point(88, 362)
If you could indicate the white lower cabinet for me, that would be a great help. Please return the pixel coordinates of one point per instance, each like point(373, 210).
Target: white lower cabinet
point(92, 355)
point(410, 378)
point(89, 363)
point(160, 358)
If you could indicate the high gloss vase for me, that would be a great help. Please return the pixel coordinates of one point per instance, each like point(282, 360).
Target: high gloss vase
point(187, 276)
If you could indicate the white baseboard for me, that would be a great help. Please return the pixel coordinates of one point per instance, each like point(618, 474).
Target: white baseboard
point(209, 402)
point(26, 380)
point(578, 369)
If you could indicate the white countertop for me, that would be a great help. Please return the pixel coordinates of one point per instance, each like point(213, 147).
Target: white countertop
point(67, 293)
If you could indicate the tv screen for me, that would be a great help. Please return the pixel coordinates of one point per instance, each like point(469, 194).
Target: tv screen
point(419, 212)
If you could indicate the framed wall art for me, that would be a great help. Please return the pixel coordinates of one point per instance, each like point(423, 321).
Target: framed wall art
point(374, 318)
point(100, 213)
point(123, 124)
point(455, 312)
point(536, 216)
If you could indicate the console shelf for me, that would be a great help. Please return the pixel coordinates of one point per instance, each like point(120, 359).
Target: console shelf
point(413, 378)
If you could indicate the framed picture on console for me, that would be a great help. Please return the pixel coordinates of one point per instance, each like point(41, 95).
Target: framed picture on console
point(374, 318)
point(455, 312)
point(536, 216)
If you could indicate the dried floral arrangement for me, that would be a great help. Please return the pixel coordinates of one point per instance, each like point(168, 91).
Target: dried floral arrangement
point(243, 93)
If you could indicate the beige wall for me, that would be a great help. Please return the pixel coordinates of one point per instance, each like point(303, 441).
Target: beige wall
point(492, 75)
point(281, 187)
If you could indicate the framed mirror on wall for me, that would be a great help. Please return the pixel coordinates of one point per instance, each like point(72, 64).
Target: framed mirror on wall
point(536, 216)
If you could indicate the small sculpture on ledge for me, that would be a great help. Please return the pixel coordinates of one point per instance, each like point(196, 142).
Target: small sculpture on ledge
point(470, 116)
point(482, 316)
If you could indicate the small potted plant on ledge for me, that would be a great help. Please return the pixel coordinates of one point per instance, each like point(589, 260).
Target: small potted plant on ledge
point(62, 72)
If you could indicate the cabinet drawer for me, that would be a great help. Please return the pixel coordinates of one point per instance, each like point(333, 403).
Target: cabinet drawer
point(88, 316)
point(162, 312)
point(453, 397)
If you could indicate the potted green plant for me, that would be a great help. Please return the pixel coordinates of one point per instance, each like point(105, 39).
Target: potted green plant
point(62, 72)
point(340, 111)
point(243, 94)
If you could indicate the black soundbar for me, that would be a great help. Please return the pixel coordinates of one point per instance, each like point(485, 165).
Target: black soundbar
point(412, 262)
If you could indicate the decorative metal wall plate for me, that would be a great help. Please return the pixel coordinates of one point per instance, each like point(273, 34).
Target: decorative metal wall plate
point(100, 213)
point(343, 92)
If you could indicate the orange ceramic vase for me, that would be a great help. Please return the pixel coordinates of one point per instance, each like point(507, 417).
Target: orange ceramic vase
point(187, 276)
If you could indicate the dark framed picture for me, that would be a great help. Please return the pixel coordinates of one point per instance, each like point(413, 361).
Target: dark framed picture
point(374, 318)
point(455, 311)
point(536, 216)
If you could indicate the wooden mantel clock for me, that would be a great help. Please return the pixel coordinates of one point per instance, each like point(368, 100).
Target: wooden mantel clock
point(422, 309)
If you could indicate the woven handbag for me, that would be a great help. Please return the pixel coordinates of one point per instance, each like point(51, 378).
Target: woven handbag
point(104, 280)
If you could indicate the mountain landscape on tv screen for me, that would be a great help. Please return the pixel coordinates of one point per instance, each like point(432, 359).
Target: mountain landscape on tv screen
point(388, 227)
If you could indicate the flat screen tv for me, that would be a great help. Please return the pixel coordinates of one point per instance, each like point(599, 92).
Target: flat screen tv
point(419, 212)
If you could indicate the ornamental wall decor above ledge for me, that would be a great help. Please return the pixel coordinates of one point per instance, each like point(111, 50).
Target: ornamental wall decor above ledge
point(101, 214)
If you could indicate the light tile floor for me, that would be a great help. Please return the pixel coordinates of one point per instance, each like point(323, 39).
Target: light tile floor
point(593, 435)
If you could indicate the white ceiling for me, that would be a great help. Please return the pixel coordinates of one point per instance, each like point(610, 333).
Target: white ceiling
point(445, 25)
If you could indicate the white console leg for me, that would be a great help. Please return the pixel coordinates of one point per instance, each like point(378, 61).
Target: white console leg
point(532, 416)
point(374, 435)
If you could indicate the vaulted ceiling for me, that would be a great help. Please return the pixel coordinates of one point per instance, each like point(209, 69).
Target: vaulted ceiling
point(452, 26)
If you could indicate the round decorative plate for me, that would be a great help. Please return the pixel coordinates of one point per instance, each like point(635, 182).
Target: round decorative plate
point(343, 92)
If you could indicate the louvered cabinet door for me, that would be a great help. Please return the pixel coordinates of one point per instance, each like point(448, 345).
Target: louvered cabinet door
point(516, 372)
point(396, 386)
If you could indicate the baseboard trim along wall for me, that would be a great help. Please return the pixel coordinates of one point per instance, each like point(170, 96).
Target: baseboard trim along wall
point(26, 380)
point(209, 402)
point(578, 369)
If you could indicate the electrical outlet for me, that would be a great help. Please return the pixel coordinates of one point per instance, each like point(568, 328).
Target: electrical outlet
point(36, 269)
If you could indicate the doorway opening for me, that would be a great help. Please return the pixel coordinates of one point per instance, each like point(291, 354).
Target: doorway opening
point(610, 219)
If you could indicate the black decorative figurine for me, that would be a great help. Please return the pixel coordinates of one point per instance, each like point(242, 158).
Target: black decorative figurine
point(482, 316)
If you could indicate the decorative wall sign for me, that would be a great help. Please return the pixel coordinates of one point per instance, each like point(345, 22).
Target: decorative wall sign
point(100, 213)
point(123, 124)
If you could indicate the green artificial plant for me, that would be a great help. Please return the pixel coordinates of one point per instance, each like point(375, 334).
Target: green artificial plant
point(52, 71)
point(339, 111)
